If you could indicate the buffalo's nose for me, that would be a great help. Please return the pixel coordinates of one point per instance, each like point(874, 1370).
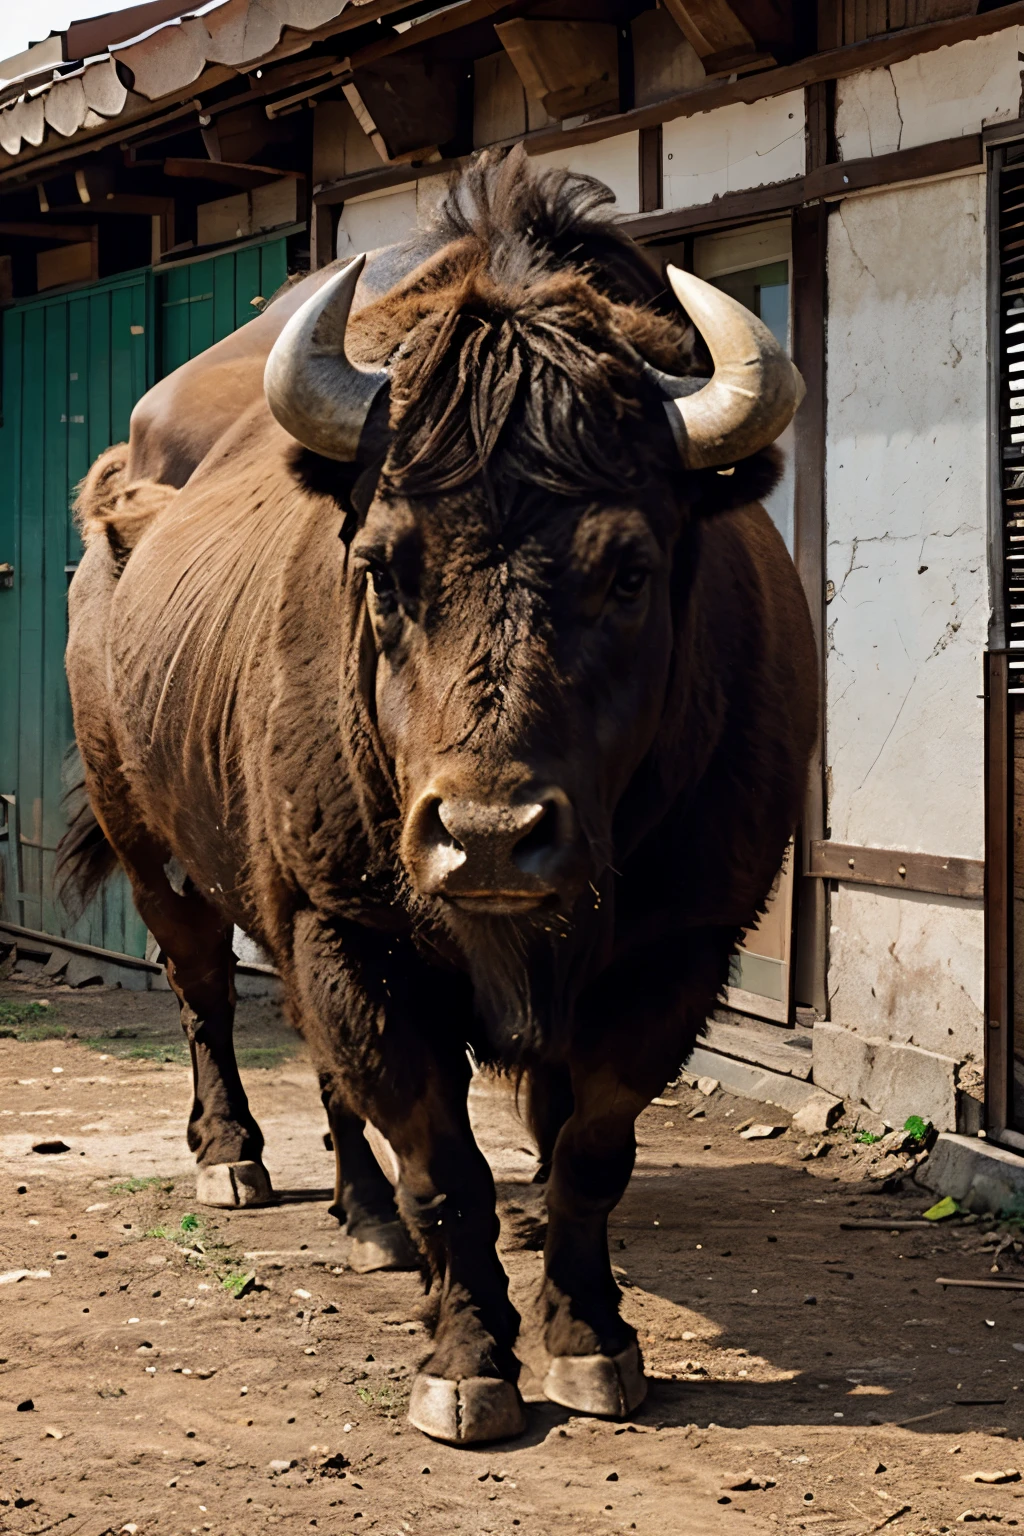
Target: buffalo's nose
point(502, 857)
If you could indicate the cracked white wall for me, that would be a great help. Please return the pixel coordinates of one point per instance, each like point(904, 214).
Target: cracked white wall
point(732, 148)
point(908, 599)
point(932, 96)
point(616, 162)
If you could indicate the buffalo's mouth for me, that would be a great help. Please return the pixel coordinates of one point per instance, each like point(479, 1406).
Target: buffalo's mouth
point(503, 903)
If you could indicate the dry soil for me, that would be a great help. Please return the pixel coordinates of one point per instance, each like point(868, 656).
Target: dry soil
point(805, 1377)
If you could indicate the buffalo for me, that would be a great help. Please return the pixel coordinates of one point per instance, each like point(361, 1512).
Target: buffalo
point(429, 630)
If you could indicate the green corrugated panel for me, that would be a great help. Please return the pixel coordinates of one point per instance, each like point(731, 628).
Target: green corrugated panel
point(174, 307)
point(80, 369)
point(273, 267)
point(30, 576)
point(58, 427)
point(73, 368)
point(206, 300)
point(222, 276)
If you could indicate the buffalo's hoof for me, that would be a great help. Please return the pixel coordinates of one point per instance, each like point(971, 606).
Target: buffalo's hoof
point(388, 1246)
point(466, 1412)
point(229, 1185)
point(607, 1385)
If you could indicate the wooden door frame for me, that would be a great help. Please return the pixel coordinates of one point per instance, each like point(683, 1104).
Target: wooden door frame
point(998, 727)
point(809, 289)
point(809, 309)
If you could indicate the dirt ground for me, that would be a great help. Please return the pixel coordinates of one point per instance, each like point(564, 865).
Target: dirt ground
point(805, 1376)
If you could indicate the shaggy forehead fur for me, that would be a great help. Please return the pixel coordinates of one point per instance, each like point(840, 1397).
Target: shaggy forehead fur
point(516, 353)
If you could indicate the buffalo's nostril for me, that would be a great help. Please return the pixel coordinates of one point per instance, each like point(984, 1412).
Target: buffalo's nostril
point(474, 850)
point(544, 841)
point(432, 829)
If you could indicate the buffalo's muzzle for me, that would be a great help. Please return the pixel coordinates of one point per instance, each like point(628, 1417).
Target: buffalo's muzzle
point(488, 857)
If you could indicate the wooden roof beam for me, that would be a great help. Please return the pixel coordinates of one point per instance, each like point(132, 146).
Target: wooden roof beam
point(720, 39)
point(568, 66)
point(26, 229)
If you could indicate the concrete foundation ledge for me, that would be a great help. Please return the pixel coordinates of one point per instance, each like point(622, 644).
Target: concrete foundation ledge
point(754, 1082)
point(894, 1080)
point(977, 1174)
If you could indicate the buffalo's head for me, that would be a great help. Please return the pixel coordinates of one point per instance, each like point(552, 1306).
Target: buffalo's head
point(536, 468)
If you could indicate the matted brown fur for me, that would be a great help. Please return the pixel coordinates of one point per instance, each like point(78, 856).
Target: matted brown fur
point(110, 506)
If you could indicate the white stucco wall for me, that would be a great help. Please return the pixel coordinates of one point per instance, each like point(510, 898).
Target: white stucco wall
point(384, 218)
point(908, 606)
point(732, 148)
point(614, 161)
point(939, 95)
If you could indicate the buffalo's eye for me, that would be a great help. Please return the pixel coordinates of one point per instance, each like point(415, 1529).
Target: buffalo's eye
point(385, 589)
point(630, 581)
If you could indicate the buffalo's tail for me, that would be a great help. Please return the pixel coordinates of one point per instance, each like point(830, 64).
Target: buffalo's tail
point(85, 860)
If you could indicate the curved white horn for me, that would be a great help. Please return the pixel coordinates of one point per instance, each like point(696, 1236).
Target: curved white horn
point(316, 394)
point(754, 392)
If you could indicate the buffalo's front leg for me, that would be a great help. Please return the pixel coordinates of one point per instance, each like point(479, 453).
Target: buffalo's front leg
point(594, 1360)
point(363, 1196)
point(393, 1031)
point(633, 1032)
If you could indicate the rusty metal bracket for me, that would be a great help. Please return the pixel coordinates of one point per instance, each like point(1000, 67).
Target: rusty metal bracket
point(896, 869)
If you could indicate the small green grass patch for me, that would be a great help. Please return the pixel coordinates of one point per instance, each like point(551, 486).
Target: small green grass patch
point(265, 1055)
point(136, 1186)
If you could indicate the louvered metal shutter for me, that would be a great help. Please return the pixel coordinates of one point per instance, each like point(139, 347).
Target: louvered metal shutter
point(1011, 401)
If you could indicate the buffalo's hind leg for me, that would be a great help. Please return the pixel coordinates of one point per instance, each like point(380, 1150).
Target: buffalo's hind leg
point(364, 1198)
point(392, 1031)
point(196, 944)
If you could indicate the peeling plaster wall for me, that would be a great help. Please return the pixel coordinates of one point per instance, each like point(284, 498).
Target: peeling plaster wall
point(384, 218)
point(933, 96)
point(613, 161)
point(908, 968)
point(908, 598)
point(732, 148)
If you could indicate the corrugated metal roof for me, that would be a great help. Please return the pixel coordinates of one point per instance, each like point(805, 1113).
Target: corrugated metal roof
point(160, 61)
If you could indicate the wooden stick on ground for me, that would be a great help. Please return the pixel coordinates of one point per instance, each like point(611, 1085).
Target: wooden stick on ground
point(891, 1226)
point(983, 1285)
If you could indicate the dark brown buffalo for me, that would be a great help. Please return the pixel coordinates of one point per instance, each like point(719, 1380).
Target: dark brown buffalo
point(471, 680)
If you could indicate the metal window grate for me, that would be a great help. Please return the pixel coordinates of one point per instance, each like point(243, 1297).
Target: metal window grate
point(1010, 351)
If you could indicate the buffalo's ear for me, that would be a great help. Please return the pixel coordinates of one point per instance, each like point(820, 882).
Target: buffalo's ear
point(719, 490)
point(351, 486)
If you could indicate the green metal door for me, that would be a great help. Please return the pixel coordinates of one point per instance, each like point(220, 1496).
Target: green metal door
point(206, 300)
point(73, 368)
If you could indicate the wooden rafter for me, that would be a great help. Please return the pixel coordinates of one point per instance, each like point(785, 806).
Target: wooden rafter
point(719, 38)
point(568, 66)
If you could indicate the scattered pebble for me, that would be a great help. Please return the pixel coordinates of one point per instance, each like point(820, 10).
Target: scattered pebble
point(49, 1433)
point(26, 1406)
point(1011, 1475)
point(281, 1465)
